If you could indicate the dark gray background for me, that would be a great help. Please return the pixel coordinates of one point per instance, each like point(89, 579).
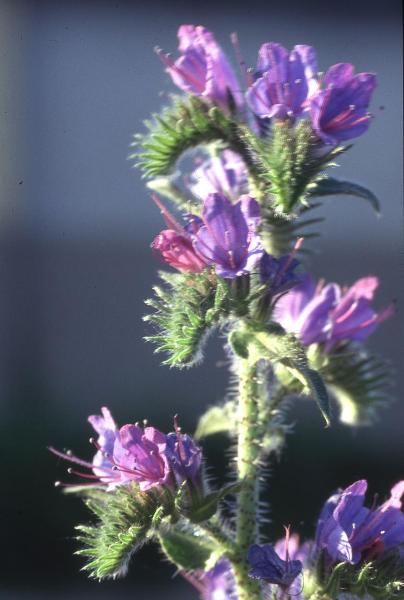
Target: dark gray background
point(76, 80)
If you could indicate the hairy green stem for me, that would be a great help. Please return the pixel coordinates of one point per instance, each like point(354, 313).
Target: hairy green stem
point(248, 455)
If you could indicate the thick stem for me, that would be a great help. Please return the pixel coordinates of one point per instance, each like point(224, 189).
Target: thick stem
point(248, 455)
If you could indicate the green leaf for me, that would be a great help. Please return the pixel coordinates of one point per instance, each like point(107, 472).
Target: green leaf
point(276, 345)
point(217, 419)
point(360, 382)
point(186, 549)
point(204, 508)
point(125, 517)
point(328, 186)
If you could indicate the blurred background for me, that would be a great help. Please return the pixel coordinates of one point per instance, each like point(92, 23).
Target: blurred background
point(76, 80)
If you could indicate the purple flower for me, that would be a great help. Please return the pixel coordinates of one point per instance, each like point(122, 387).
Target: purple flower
point(340, 111)
point(330, 314)
point(216, 584)
point(268, 566)
point(203, 69)
point(348, 531)
point(184, 456)
point(140, 455)
point(226, 236)
point(128, 454)
point(225, 174)
point(285, 81)
point(279, 273)
point(105, 426)
point(177, 250)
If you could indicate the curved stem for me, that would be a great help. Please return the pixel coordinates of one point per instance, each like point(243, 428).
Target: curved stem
point(248, 456)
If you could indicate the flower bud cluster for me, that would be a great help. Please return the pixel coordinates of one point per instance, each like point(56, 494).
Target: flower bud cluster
point(143, 455)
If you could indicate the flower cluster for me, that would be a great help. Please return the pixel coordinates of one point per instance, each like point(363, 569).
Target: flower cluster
point(329, 314)
point(225, 236)
point(285, 85)
point(348, 531)
point(144, 455)
point(285, 333)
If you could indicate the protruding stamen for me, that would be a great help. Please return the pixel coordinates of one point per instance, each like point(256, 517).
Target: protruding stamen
point(170, 220)
point(248, 78)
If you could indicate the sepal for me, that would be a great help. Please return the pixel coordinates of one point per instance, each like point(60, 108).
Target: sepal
point(125, 519)
point(289, 163)
point(378, 580)
point(187, 123)
point(186, 309)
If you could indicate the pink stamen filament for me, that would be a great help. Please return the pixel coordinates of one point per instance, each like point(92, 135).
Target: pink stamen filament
point(243, 68)
point(347, 314)
point(171, 222)
point(292, 255)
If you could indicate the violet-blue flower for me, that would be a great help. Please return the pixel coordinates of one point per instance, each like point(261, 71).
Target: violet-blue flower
point(203, 69)
point(279, 273)
point(226, 235)
point(285, 81)
point(184, 456)
point(330, 314)
point(225, 174)
point(107, 430)
point(339, 112)
point(348, 531)
point(267, 565)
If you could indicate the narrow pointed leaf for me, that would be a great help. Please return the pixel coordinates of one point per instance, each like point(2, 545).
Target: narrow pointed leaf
point(333, 187)
point(186, 550)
